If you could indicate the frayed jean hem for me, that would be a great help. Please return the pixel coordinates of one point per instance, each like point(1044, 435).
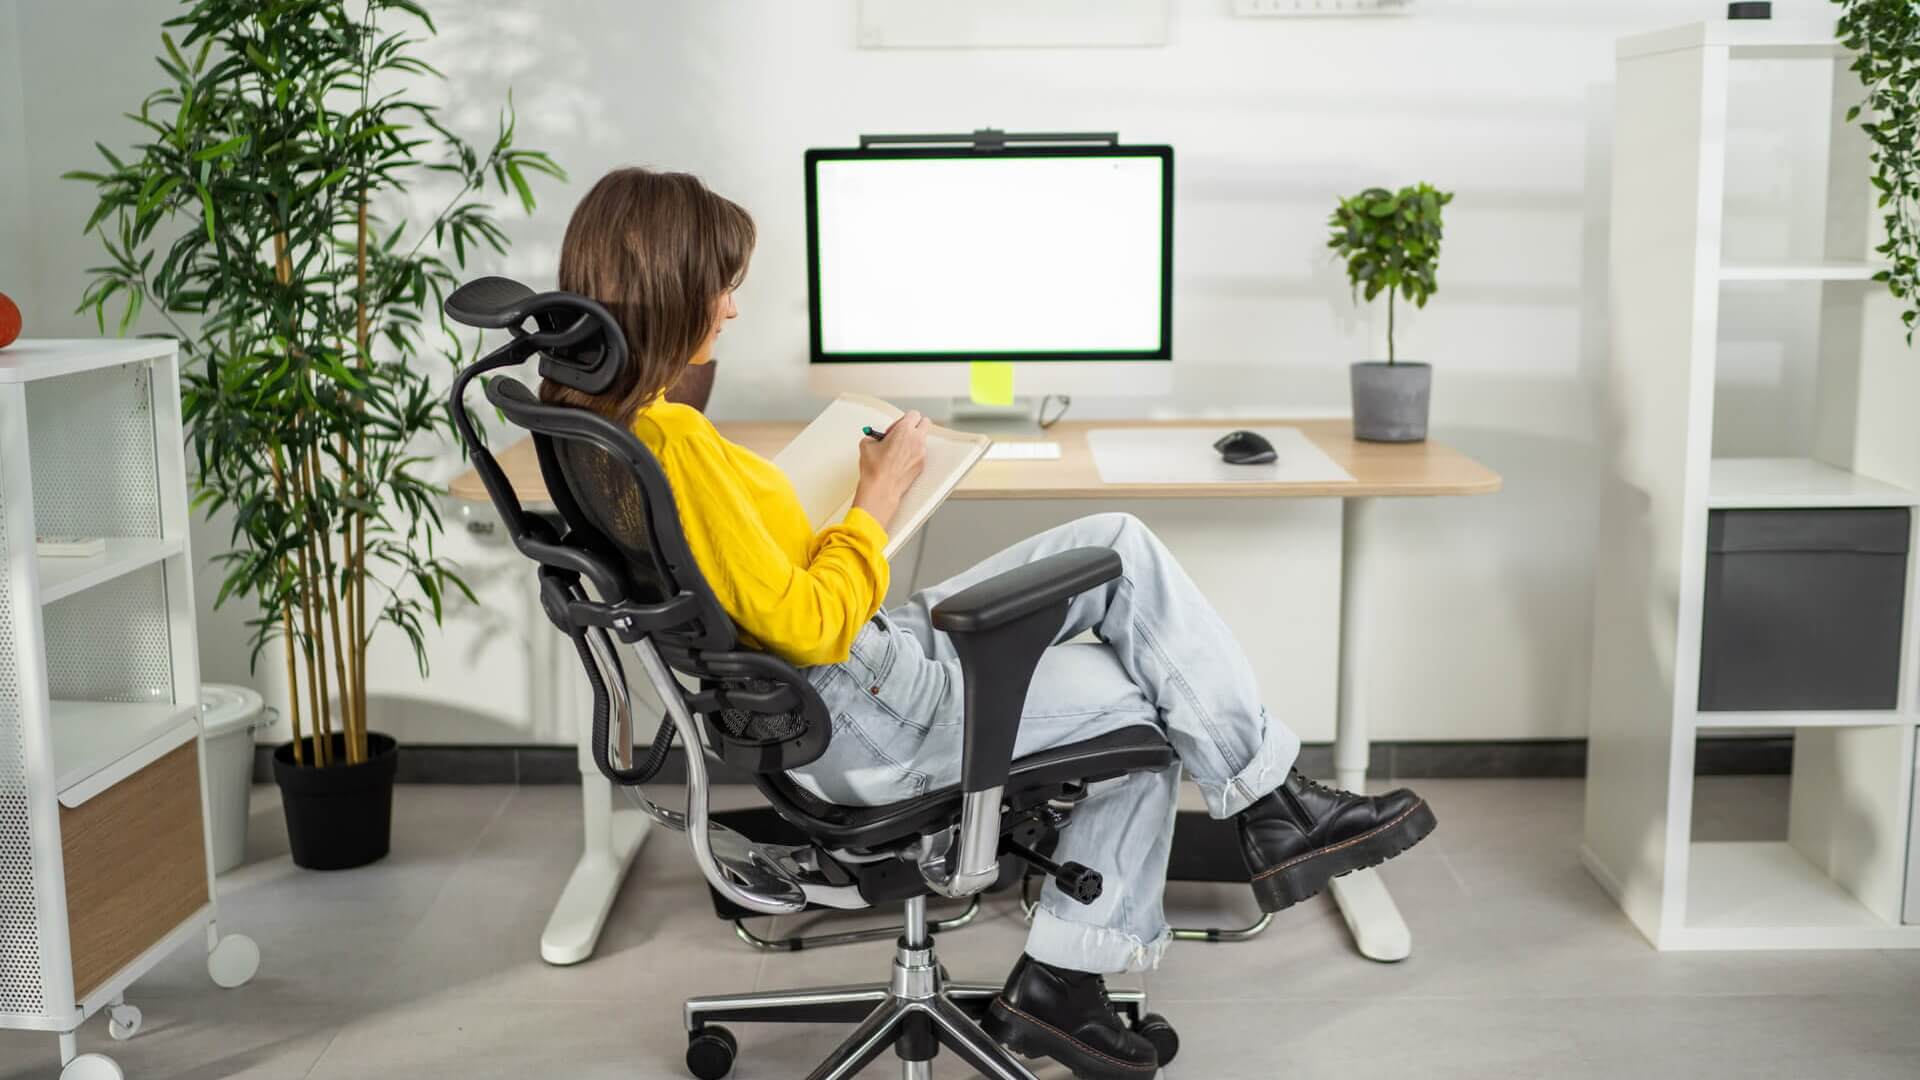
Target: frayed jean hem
point(1100, 949)
point(1279, 749)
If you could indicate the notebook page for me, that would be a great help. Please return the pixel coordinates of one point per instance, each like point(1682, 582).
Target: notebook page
point(823, 461)
point(950, 456)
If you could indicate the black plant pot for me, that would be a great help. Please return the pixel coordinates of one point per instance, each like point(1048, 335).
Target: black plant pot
point(341, 816)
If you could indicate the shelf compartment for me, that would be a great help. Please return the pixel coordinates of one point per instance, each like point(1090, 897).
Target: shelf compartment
point(1808, 270)
point(51, 358)
point(136, 870)
point(1743, 38)
point(1794, 718)
point(96, 744)
point(1766, 895)
point(62, 577)
point(1795, 484)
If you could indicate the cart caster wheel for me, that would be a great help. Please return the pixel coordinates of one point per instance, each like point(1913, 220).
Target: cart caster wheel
point(710, 1052)
point(1166, 1041)
point(123, 1022)
point(234, 961)
point(92, 1067)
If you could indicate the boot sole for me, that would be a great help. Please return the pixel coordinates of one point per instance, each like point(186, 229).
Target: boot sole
point(1305, 876)
point(1032, 1037)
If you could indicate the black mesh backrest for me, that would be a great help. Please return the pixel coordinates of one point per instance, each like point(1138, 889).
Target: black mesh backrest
point(609, 499)
point(622, 534)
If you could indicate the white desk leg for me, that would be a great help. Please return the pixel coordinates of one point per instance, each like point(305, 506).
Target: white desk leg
point(612, 838)
point(1378, 930)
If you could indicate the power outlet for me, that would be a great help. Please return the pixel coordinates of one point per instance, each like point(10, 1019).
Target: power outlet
point(1267, 9)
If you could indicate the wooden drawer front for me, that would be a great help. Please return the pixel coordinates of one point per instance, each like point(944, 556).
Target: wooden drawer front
point(136, 866)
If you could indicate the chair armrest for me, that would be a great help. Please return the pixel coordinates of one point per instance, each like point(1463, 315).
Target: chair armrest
point(1000, 627)
point(1025, 589)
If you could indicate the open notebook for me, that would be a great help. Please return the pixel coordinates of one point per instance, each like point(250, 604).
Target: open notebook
point(823, 461)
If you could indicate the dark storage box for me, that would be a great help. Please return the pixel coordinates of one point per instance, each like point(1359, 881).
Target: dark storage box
point(1803, 609)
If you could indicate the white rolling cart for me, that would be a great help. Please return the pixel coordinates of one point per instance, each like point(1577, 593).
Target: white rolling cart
point(105, 857)
point(1838, 880)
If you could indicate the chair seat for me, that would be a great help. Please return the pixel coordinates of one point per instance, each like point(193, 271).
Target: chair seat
point(1130, 749)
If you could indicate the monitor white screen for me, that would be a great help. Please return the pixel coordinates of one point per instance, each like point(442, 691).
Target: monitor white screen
point(991, 255)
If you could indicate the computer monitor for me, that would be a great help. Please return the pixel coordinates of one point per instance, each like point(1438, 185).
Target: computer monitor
point(921, 261)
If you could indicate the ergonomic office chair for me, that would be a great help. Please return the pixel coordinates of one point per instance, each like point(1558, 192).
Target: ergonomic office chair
point(615, 566)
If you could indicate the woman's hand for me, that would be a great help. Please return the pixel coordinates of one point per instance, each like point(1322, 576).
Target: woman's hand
point(889, 466)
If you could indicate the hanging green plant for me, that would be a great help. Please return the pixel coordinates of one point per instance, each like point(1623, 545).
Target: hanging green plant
point(262, 218)
point(1885, 38)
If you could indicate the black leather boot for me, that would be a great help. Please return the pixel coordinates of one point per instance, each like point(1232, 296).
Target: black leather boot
point(1051, 1012)
point(1305, 834)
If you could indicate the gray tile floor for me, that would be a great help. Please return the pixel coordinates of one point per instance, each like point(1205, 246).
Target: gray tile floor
point(427, 965)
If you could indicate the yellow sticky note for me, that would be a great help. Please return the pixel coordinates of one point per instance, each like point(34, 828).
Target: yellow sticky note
point(991, 382)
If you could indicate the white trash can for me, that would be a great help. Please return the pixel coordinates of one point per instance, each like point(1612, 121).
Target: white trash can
point(228, 717)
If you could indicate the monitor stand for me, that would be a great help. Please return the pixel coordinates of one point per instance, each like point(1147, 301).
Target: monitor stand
point(1019, 418)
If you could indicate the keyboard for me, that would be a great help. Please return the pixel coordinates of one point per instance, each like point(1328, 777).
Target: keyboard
point(1024, 451)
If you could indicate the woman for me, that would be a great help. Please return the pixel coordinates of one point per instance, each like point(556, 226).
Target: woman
point(664, 254)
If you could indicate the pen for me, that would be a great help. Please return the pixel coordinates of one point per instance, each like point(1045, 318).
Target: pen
point(872, 434)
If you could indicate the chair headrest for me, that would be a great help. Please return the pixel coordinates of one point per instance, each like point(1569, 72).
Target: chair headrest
point(580, 343)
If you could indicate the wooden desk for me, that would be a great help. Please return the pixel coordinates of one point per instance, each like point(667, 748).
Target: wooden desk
point(1379, 470)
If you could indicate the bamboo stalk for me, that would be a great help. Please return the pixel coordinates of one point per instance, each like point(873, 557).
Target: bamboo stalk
point(287, 633)
point(364, 334)
point(316, 684)
point(331, 594)
point(349, 695)
point(316, 689)
point(317, 644)
point(360, 642)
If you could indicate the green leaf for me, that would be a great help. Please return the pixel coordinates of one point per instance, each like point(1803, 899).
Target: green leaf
point(220, 150)
point(520, 186)
point(206, 211)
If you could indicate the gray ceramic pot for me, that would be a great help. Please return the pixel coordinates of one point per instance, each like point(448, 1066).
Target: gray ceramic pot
point(1390, 401)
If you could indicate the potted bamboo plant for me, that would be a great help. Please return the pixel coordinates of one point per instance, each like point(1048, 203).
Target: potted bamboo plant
point(1390, 241)
point(263, 218)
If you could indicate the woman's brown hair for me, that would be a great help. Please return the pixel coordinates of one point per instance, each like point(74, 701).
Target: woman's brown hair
point(659, 250)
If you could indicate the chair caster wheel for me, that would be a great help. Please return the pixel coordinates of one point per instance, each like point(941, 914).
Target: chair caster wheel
point(1166, 1041)
point(123, 1022)
point(710, 1052)
point(92, 1067)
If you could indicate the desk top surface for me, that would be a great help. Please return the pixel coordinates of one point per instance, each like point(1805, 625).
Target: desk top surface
point(1383, 469)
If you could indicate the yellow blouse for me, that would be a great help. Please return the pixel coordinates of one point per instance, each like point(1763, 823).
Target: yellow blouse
point(799, 594)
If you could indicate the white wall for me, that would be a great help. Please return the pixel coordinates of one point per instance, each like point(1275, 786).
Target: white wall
point(15, 281)
point(1485, 632)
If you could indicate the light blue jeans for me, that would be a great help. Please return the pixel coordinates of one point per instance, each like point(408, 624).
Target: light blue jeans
point(1164, 658)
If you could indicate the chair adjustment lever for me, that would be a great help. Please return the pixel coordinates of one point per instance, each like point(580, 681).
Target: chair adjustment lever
point(1082, 884)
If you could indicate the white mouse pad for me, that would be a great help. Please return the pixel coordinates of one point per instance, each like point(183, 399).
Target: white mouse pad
point(1186, 456)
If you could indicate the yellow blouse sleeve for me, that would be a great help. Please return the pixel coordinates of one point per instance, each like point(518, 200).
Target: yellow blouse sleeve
point(806, 614)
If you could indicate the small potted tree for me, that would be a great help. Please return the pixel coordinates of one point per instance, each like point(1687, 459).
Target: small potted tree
point(1391, 243)
point(264, 219)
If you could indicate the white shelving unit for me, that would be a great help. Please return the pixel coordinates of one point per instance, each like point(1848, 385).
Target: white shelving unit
point(1814, 270)
point(1796, 484)
point(1838, 880)
point(61, 578)
point(104, 849)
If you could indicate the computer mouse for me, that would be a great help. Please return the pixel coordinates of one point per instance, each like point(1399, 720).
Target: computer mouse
point(1245, 448)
